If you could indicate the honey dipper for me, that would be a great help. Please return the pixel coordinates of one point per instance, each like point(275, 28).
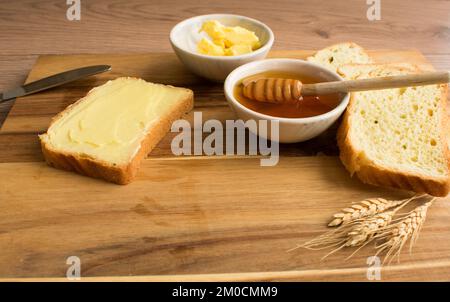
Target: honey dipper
point(278, 90)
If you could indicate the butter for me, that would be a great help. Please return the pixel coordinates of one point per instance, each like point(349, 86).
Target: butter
point(227, 41)
point(110, 122)
point(209, 48)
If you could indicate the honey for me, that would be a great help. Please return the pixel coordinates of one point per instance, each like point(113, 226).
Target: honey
point(309, 105)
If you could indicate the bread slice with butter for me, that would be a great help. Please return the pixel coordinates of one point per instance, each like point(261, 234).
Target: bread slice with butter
point(340, 54)
point(108, 132)
point(396, 137)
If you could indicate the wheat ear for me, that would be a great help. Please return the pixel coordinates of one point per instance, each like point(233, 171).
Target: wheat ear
point(395, 236)
point(356, 233)
point(365, 208)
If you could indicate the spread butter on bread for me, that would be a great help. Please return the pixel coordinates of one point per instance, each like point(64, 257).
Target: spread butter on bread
point(108, 132)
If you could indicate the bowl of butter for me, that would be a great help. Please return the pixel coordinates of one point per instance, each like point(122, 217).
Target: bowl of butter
point(212, 46)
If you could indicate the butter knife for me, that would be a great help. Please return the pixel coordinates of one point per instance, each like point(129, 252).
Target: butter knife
point(53, 81)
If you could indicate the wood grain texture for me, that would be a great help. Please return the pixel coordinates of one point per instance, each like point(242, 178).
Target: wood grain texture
point(14, 72)
point(142, 26)
point(189, 217)
point(435, 270)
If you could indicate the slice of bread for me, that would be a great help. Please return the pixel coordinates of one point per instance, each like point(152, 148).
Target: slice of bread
point(340, 54)
point(396, 137)
point(108, 132)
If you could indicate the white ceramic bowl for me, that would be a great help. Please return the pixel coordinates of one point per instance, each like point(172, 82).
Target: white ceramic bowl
point(185, 36)
point(291, 129)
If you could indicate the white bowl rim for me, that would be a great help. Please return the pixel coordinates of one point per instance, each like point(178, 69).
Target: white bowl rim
point(228, 88)
point(260, 50)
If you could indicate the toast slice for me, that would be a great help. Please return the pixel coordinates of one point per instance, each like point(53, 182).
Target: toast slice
point(396, 137)
point(340, 54)
point(108, 132)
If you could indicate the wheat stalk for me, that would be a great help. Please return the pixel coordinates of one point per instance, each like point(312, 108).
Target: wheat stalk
point(355, 233)
point(358, 232)
point(406, 228)
point(365, 208)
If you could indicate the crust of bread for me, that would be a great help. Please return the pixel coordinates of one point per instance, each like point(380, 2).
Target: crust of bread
point(369, 173)
point(119, 174)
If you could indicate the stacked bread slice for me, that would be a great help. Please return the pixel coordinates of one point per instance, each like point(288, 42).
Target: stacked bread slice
point(392, 137)
point(336, 55)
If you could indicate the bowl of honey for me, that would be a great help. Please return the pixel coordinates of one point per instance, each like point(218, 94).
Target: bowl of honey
point(297, 121)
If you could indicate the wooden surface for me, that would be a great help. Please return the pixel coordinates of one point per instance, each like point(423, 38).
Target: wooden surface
point(191, 217)
point(186, 218)
point(35, 27)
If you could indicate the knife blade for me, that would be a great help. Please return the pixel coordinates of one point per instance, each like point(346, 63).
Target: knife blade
point(53, 81)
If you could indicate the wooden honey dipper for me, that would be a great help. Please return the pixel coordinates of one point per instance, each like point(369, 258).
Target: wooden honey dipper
point(278, 90)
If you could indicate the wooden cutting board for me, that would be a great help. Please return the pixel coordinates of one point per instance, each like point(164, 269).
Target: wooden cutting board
point(186, 218)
